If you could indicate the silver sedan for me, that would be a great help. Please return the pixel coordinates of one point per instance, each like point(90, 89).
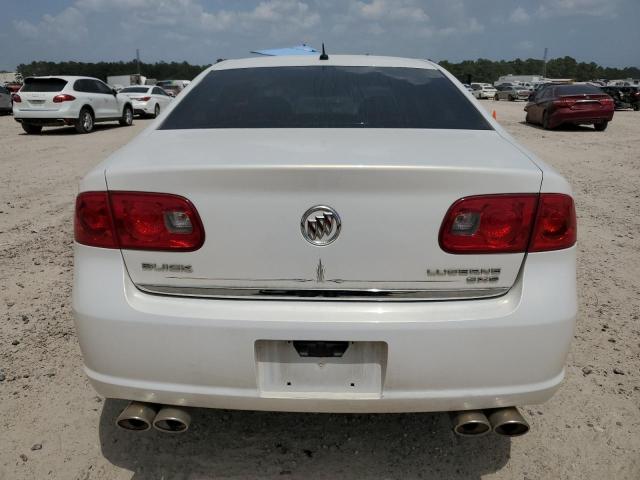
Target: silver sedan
point(511, 93)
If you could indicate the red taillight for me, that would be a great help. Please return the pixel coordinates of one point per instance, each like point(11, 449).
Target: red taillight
point(93, 223)
point(606, 101)
point(555, 227)
point(142, 99)
point(509, 224)
point(63, 97)
point(141, 221)
point(488, 224)
point(16, 98)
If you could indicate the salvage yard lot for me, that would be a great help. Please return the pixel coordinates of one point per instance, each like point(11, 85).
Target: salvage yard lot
point(53, 425)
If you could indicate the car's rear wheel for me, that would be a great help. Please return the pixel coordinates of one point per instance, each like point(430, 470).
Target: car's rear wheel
point(127, 117)
point(31, 129)
point(511, 99)
point(601, 126)
point(496, 98)
point(636, 106)
point(85, 122)
point(156, 111)
point(545, 120)
point(527, 118)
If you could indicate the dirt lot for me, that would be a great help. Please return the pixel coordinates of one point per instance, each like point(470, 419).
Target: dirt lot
point(53, 426)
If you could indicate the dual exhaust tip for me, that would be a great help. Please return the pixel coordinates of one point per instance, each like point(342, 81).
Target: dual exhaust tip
point(504, 421)
point(139, 416)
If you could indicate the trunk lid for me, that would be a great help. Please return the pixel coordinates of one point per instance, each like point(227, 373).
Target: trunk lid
point(390, 188)
point(38, 93)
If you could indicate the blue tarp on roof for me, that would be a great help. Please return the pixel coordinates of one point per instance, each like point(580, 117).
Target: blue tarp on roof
point(297, 50)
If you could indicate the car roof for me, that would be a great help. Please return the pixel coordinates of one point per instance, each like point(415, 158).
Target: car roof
point(68, 78)
point(334, 60)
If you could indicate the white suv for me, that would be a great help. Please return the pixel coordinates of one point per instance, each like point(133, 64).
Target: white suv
point(78, 101)
point(350, 234)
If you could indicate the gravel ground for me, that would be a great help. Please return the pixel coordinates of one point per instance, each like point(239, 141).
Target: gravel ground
point(54, 426)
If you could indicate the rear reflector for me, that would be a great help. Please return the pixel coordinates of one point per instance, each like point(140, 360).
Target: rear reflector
point(511, 223)
point(63, 97)
point(16, 98)
point(137, 220)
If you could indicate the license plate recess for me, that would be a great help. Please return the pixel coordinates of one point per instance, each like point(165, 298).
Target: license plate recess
point(284, 372)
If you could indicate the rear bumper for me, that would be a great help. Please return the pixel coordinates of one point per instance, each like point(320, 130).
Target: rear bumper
point(66, 111)
point(579, 116)
point(142, 108)
point(441, 356)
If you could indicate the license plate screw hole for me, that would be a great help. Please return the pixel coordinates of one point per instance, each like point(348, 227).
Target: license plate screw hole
point(352, 384)
point(288, 384)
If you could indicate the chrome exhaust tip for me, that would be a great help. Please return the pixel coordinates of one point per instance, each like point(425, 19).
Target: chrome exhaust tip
point(137, 416)
point(508, 422)
point(471, 423)
point(172, 420)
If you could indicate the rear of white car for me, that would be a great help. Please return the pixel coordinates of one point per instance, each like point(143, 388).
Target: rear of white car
point(147, 100)
point(343, 235)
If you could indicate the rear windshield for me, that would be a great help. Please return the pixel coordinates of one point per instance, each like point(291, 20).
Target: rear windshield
point(325, 97)
point(134, 90)
point(577, 90)
point(43, 85)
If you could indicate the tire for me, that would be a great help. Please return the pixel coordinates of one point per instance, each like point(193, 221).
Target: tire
point(601, 126)
point(127, 116)
point(156, 111)
point(511, 99)
point(496, 98)
point(636, 106)
point(86, 121)
point(31, 129)
point(545, 120)
point(527, 118)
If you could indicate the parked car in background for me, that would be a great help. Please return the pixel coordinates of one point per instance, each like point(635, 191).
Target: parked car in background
point(173, 87)
point(468, 87)
point(483, 90)
point(577, 104)
point(147, 100)
point(5, 101)
point(511, 93)
point(63, 100)
point(248, 252)
point(624, 96)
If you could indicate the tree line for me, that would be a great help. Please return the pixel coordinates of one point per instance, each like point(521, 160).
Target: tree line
point(481, 70)
point(101, 70)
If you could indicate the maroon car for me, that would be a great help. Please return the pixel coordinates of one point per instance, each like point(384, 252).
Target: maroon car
point(554, 105)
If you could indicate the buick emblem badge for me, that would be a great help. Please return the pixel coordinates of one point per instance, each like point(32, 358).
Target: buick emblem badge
point(320, 225)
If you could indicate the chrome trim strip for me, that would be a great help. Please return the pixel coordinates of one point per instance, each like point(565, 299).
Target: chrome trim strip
point(329, 294)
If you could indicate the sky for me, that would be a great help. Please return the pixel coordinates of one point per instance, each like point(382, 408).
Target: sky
point(200, 31)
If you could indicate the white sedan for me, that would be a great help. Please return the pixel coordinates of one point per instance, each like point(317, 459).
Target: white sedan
point(483, 90)
point(147, 100)
point(350, 234)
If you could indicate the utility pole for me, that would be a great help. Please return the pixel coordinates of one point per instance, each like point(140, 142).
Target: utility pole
point(138, 59)
point(544, 63)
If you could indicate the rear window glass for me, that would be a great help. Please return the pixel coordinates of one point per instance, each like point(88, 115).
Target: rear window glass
point(325, 97)
point(43, 85)
point(577, 90)
point(134, 90)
